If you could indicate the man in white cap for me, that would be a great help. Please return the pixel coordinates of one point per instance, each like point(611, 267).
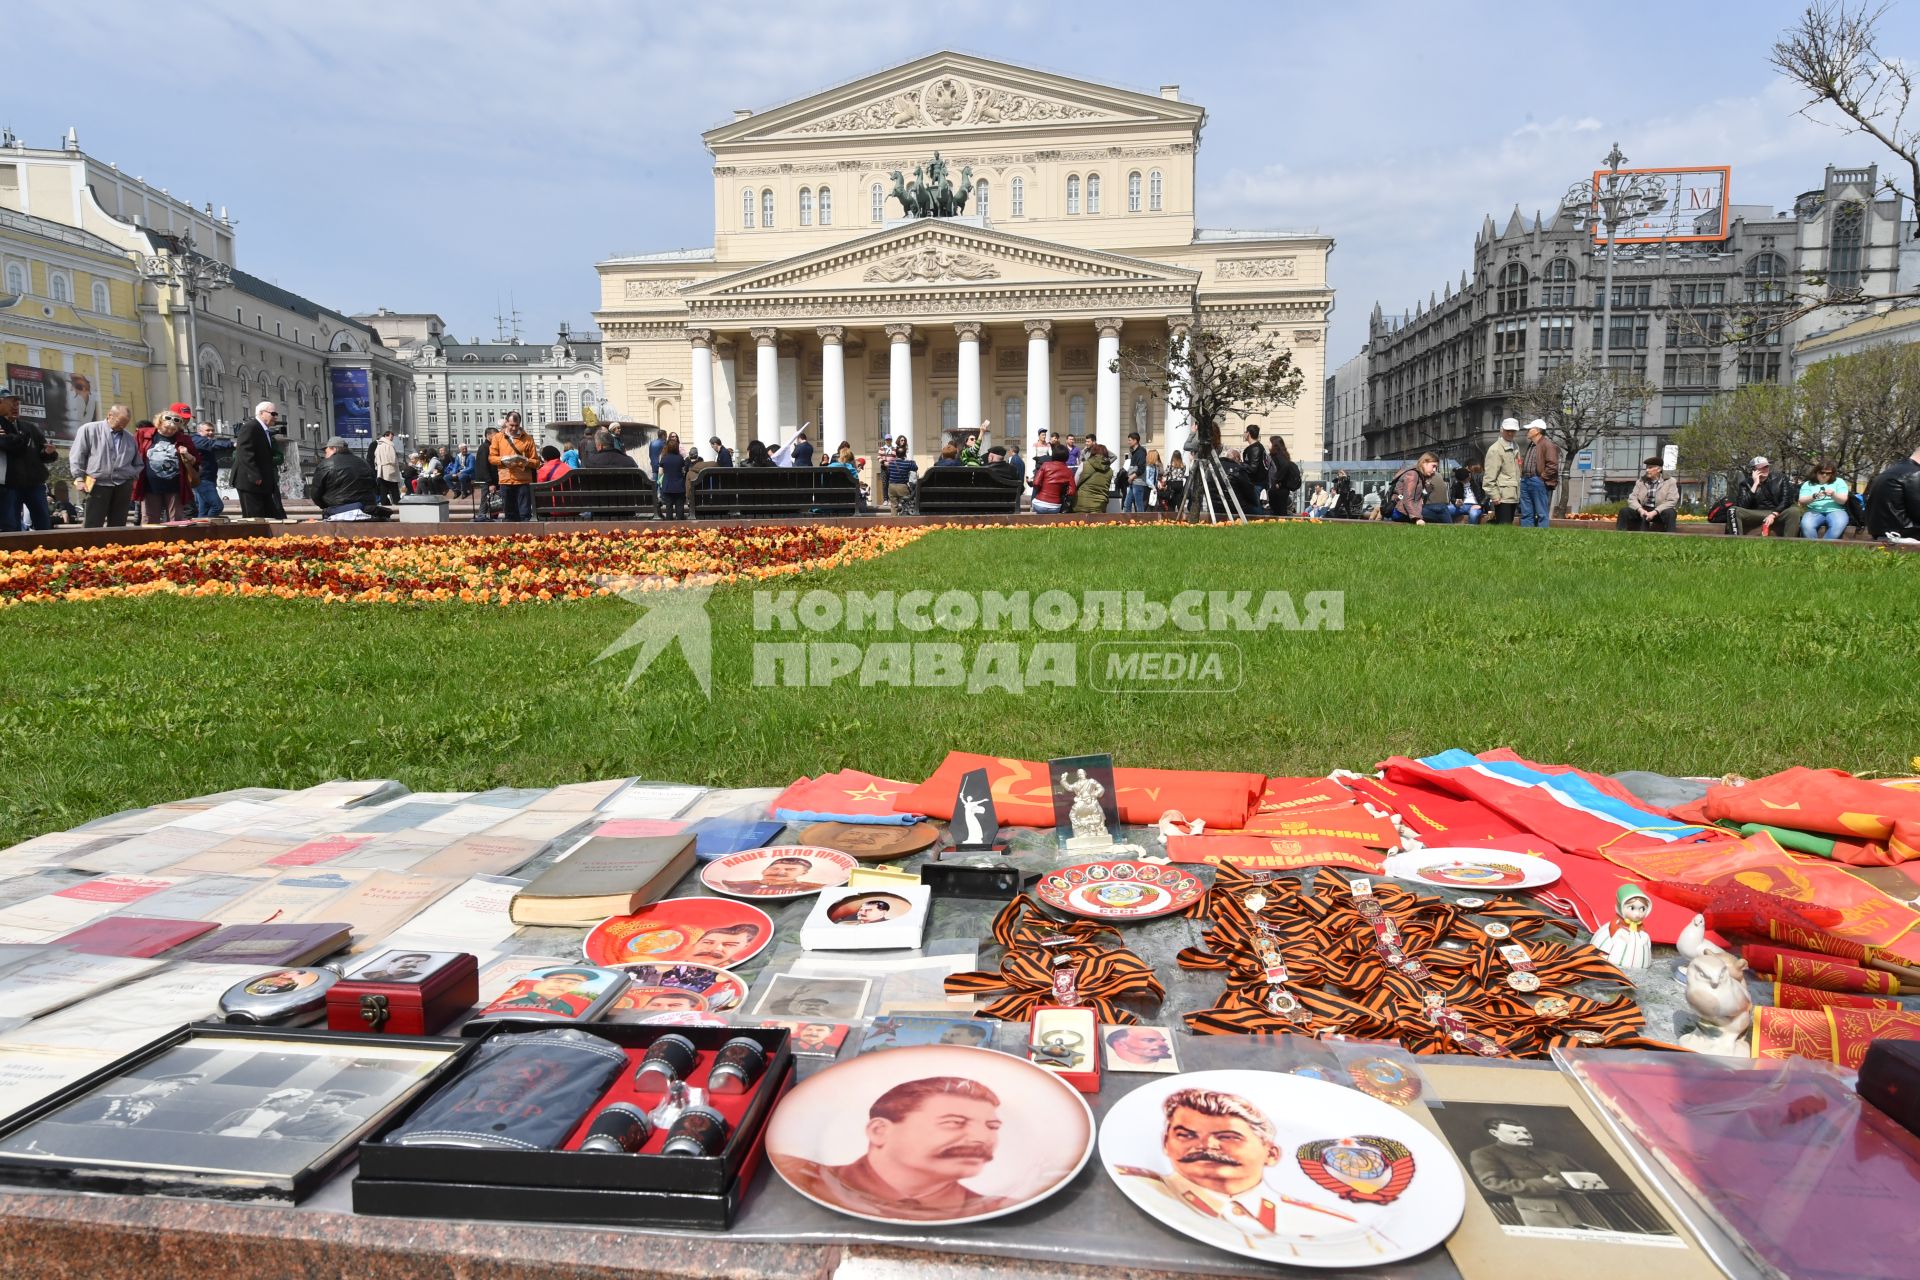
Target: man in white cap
point(1502, 473)
point(1760, 502)
point(1539, 474)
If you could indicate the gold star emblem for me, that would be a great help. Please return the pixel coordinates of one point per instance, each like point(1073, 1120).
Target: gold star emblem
point(871, 792)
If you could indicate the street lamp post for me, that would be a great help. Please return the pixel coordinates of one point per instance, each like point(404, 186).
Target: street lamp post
point(1612, 199)
point(196, 273)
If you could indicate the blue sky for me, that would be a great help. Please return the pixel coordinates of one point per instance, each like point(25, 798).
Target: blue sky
point(448, 157)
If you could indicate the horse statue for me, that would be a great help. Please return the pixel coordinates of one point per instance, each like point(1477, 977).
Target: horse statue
point(900, 193)
point(966, 189)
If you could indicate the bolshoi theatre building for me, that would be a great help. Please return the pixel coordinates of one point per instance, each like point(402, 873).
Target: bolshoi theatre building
point(822, 302)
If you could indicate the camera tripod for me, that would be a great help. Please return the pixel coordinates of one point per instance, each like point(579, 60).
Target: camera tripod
point(1209, 492)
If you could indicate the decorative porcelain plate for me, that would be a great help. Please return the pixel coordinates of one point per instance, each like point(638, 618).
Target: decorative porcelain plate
point(671, 988)
point(1278, 1167)
point(1120, 890)
point(713, 931)
point(778, 871)
point(1492, 869)
point(930, 1133)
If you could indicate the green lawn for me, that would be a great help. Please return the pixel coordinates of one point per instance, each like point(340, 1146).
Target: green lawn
point(1681, 654)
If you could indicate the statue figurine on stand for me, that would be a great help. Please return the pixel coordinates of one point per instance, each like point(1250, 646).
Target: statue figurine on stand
point(1624, 938)
point(1090, 834)
point(1716, 985)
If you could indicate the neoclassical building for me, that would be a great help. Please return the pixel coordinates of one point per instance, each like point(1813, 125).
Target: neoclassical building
point(820, 302)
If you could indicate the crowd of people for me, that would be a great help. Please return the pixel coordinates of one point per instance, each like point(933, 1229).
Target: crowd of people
point(168, 469)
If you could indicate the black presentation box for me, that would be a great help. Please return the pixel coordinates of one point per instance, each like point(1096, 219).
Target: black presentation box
point(585, 1186)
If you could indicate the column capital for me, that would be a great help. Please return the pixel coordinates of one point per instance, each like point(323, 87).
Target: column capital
point(899, 333)
point(832, 335)
point(1177, 326)
point(616, 353)
point(700, 337)
point(764, 337)
point(1039, 329)
point(969, 330)
point(1108, 326)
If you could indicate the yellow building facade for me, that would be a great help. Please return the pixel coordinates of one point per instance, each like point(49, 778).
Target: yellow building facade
point(820, 302)
point(69, 310)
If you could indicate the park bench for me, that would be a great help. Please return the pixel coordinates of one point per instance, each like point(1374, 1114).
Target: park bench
point(602, 492)
point(967, 491)
point(752, 492)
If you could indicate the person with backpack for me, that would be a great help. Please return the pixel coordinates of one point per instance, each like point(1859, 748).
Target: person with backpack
point(169, 467)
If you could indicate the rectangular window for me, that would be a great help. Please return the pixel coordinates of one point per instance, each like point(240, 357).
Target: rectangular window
point(1759, 366)
point(276, 329)
point(1693, 369)
point(1556, 333)
point(1628, 331)
point(1633, 295)
point(1679, 411)
point(1698, 293)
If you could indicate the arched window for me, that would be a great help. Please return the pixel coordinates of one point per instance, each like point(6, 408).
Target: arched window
point(1513, 287)
point(826, 206)
point(1559, 270)
point(1133, 192)
point(1073, 194)
point(949, 414)
point(981, 199)
point(1559, 289)
point(16, 278)
point(806, 206)
point(878, 194)
point(746, 209)
point(1843, 248)
point(1766, 278)
point(1077, 414)
point(1153, 191)
point(766, 207)
point(1015, 413)
point(101, 303)
point(58, 287)
point(1019, 209)
point(560, 406)
point(1093, 193)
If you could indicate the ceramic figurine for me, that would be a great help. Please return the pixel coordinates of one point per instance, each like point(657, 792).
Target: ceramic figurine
point(1716, 985)
point(1624, 938)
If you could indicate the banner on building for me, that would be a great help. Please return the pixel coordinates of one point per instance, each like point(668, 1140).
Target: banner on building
point(1695, 207)
point(55, 401)
point(352, 406)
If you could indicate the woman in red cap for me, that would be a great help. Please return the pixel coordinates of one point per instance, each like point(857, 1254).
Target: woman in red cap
point(169, 467)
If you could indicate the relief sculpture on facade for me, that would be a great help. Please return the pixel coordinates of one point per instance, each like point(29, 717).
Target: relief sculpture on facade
point(932, 266)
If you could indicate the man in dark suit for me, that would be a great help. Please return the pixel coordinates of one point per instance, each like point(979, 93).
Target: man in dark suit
point(256, 475)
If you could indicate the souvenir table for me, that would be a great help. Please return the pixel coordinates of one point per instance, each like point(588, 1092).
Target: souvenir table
point(1087, 1225)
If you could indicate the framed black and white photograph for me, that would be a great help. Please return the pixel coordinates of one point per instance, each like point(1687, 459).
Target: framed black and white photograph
point(401, 965)
point(1543, 1173)
point(223, 1112)
point(791, 995)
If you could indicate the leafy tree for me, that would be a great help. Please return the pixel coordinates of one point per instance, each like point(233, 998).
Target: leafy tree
point(1213, 368)
point(1581, 403)
point(1730, 430)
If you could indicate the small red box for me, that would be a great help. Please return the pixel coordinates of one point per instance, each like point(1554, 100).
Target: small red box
point(1066, 1041)
point(404, 993)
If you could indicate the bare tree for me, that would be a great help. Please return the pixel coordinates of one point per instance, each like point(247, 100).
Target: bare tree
point(1729, 431)
point(1833, 54)
point(1581, 403)
point(1221, 367)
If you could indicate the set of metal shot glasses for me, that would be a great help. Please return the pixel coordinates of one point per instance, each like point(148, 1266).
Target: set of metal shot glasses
point(693, 1127)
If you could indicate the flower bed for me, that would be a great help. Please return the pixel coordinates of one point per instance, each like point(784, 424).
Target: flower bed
point(478, 569)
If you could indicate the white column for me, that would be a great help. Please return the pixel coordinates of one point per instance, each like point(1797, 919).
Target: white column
point(766, 386)
point(1106, 386)
point(789, 387)
point(833, 386)
point(1177, 425)
point(726, 383)
point(701, 382)
point(900, 382)
point(1039, 377)
point(969, 413)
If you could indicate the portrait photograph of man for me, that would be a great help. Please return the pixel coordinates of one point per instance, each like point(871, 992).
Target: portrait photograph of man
point(565, 993)
point(814, 999)
point(1148, 1049)
point(812, 1039)
point(723, 945)
point(401, 966)
point(778, 877)
point(1543, 1173)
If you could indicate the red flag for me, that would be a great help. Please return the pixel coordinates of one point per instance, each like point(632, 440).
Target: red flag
point(1827, 801)
point(1023, 795)
point(846, 796)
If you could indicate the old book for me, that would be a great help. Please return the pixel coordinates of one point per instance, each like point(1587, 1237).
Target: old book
point(286, 945)
point(140, 936)
point(604, 876)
